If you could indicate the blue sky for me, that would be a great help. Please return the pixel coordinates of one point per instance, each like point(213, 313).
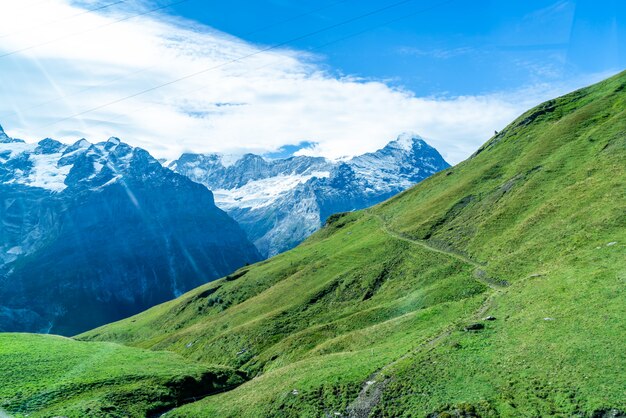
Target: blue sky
point(198, 76)
point(456, 48)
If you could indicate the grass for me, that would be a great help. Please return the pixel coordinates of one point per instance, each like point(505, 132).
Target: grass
point(530, 230)
point(46, 375)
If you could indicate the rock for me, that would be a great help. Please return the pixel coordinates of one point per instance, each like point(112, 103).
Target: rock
point(490, 318)
point(609, 413)
point(474, 327)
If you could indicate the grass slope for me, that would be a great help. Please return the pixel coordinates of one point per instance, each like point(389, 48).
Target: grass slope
point(367, 317)
point(45, 376)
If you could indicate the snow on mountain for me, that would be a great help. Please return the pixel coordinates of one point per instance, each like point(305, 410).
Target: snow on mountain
point(401, 163)
point(212, 170)
point(91, 233)
point(3, 136)
point(405, 141)
point(281, 202)
point(36, 164)
point(48, 163)
point(257, 194)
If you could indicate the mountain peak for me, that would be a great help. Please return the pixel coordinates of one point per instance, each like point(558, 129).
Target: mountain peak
point(280, 201)
point(82, 143)
point(5, 139)
point(49, 146)
point(252, 157)
point(406, 141)
point(112, 143)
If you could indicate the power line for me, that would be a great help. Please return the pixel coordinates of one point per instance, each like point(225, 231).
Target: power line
point(64, 19)
point(291, 19)
point(370, 28)
point(86, 89)
point(352, 35)
point(203, 71)
point(261, 29)
point(386, 23)
point(92, 29)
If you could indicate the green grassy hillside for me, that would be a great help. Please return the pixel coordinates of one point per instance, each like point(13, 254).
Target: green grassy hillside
point(369, 316)
point(45, 376)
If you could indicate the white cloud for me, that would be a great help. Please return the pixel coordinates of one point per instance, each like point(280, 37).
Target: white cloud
point(257, 104)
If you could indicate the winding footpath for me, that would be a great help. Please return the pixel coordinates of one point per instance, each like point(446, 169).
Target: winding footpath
point(372, 390)
point(479, 273)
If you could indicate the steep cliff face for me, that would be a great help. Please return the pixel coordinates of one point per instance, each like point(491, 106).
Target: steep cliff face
point(281, 202)
point(91, 233)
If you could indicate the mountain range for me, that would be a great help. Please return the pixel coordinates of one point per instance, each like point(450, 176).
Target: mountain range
point(108, 232)
point(280, 202)
point(91, 233)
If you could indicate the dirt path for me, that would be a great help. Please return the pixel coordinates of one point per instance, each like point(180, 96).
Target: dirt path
point(372, 390)
point(426, 245)
point(479, 273)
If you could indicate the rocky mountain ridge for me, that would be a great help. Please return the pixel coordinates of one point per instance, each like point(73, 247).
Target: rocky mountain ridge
point(91, 233)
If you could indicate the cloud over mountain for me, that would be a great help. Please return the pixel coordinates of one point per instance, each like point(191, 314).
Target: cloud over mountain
point(60, 61)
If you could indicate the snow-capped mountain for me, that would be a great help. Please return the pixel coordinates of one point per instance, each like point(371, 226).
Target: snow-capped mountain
point(91, 233)
point(281, 202)
point(252, 181)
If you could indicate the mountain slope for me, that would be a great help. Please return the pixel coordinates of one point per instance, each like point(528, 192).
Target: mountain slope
point(98, 380)
point(382, 312)
point(279, 203)
point(92, 233)
point(531, 230)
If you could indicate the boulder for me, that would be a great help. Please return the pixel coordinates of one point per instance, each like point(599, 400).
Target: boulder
point(474, 327)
